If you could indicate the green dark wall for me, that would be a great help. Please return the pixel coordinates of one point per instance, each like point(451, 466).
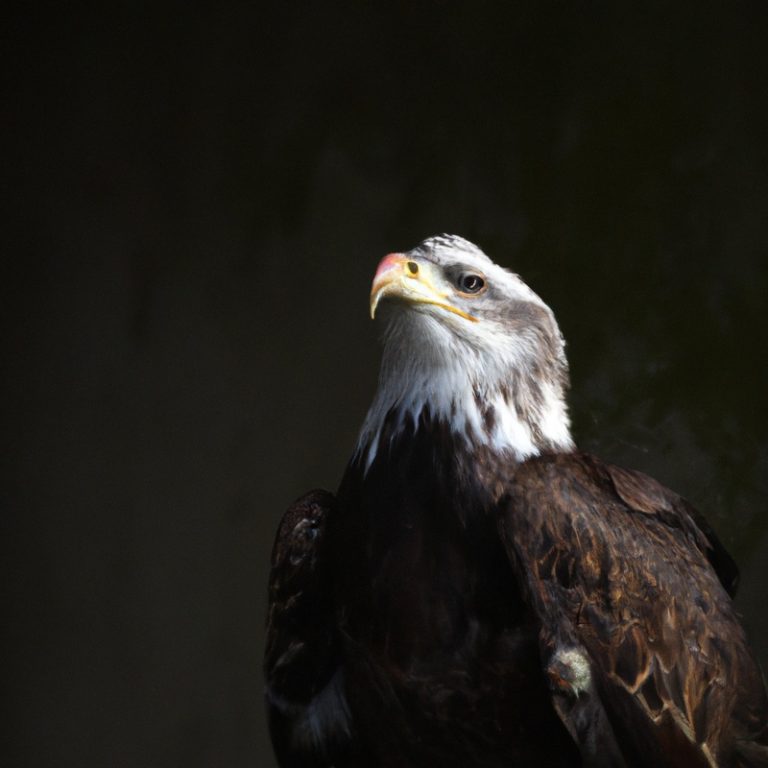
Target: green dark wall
point(196, 204)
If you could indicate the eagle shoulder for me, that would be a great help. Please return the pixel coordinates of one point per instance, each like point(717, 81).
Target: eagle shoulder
point(638, 635)
point(642, 493)
point(306, 703)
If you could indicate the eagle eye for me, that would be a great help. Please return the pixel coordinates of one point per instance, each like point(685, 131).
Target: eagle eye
point(471, 283)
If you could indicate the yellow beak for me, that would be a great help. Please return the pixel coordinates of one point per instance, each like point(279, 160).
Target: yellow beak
point(406, 279)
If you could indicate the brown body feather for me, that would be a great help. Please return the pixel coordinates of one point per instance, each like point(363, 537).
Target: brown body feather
point(429, 618)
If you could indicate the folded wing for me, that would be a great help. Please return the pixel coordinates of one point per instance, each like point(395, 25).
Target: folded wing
point(646, 658)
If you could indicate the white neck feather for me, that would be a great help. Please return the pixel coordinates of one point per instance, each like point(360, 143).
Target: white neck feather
point(486, 399)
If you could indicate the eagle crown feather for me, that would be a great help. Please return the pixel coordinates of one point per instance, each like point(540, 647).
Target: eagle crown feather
point(498, 378)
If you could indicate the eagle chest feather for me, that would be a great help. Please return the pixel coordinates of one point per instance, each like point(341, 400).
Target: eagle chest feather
point(433, 618)
point(424, 567)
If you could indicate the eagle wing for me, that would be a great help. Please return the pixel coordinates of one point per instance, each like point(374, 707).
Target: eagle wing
point(638, 635)
point(308, 716)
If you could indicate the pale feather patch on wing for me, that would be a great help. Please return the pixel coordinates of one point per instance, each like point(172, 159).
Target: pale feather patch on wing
point(569, 671)
point(325, 718)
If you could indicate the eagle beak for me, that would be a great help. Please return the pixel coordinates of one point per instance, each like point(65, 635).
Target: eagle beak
point(411, 281)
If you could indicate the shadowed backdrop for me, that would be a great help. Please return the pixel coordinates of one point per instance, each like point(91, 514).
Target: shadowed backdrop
point(197, 202)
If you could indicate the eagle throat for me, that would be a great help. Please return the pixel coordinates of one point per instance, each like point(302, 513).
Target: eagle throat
point(504, 399)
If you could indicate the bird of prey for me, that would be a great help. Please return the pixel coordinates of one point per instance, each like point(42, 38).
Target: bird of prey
point(480, 593)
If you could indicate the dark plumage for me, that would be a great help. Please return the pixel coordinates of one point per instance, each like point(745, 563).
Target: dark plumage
point(477, 593)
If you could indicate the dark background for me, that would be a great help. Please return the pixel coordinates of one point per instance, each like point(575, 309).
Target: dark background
point(197, 202)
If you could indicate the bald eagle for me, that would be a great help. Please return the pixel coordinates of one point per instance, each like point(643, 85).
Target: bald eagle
point(479, 593)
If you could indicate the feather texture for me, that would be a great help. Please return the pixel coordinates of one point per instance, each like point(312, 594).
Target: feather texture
point(477, 594)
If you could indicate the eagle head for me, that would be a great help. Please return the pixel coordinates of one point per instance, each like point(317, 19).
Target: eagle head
point(468, 343)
